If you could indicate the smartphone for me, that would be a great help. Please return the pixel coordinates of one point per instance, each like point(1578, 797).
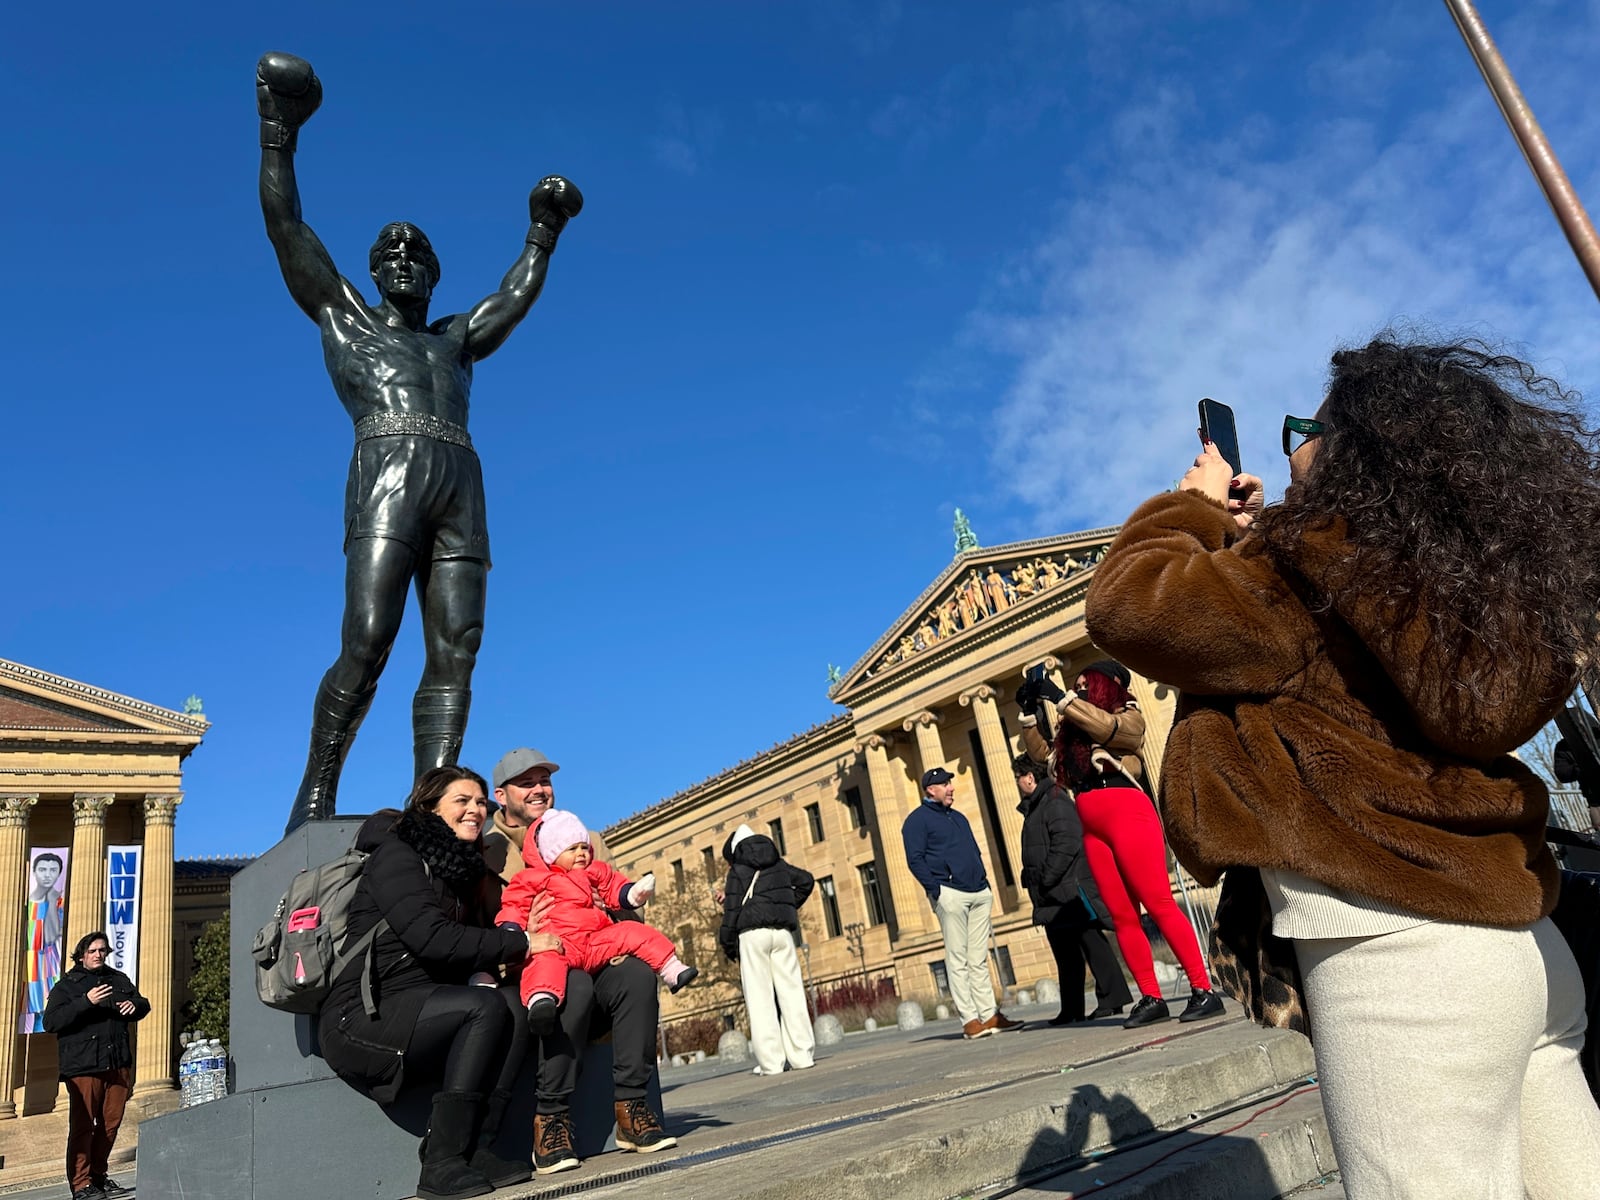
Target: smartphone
point(1216, 427)
point(1036, 673)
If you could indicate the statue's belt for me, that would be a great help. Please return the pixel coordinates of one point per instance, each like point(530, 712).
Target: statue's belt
point(388, 424)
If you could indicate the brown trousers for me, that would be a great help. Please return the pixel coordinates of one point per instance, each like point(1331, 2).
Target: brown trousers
point(93, 1118)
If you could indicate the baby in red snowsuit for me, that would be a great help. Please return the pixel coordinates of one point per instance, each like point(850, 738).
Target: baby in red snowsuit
point(583, 888)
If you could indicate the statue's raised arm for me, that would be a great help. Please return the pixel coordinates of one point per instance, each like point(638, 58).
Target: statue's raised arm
point(287, 93)
point(552, 203)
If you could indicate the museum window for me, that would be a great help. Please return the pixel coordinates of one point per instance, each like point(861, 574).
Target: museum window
point(686, 944)
point(708, 856)
point(853, 809)
point(775, 832)
point(1001, 957)
point(814, 820)
point(941, 977)
point(830, 906)
point(869, 887)
point(677, 873)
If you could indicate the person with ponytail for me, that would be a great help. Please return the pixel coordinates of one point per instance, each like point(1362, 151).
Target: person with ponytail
point(1094, 757)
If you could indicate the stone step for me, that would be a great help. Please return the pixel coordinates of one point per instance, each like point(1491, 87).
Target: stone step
point(1266, 1148)
point(963, 1140)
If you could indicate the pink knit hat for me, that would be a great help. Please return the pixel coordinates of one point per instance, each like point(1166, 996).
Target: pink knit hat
point(559, 830)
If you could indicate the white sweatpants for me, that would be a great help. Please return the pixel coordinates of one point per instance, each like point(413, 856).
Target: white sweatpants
point(768, 968)
point(964, 923)
point(1448, 1058)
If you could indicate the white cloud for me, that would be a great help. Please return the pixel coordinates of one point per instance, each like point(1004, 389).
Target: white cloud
point(1197, 266)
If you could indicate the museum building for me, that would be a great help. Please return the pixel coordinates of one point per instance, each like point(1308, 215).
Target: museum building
point(90, 785)
point(935, 690)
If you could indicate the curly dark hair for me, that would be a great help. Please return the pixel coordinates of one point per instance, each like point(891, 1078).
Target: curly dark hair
point(1470, 488)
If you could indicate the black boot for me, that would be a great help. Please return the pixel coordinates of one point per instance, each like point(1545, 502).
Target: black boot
point(451, 1129)
point(499, 1171)
point(335, 717)
point(438, 723)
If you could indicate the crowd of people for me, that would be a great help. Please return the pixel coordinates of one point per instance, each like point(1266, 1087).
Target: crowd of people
point(1354, 664)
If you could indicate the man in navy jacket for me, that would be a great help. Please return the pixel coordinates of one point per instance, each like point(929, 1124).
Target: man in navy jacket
point(944, 857)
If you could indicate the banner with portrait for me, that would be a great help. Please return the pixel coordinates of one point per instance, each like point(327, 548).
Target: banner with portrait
point(122, 908)
point(46, 927)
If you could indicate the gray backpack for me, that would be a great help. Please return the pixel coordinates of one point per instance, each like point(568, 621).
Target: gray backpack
point(300, 951)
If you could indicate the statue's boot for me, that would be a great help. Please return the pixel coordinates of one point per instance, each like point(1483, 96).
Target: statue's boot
point(438, 723)
point(335, 717)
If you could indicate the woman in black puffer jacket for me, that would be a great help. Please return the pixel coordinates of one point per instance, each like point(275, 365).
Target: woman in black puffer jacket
point(760, 924)
point(89, 1011)
point(1066, 902)
point(426, 876)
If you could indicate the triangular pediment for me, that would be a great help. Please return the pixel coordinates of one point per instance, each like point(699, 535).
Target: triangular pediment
point(35, 702)
point(984, 585)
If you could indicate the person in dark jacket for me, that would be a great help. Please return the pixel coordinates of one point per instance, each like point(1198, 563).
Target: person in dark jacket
point(760, 925)
point(1573, 760)
point(944, 858)
point(427, 878)
point(1066, 902)
point(89, 1011)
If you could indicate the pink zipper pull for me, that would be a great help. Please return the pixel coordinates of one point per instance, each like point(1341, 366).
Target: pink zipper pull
point(299, 968)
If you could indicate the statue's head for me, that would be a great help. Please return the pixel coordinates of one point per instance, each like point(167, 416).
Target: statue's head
point(397, 255)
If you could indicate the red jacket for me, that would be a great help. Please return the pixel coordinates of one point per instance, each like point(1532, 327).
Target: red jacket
point(582, 895)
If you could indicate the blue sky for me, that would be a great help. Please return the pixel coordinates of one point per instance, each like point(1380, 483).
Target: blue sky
point(843, 267)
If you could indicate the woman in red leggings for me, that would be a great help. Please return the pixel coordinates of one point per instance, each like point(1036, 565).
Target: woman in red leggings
point(1122, 837)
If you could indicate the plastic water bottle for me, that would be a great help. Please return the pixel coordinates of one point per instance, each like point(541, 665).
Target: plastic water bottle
point(188, 1073)
point(214, 1071)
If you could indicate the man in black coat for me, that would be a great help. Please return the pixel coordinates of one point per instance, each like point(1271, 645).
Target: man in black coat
point(1065, 900)
point(89, 1011)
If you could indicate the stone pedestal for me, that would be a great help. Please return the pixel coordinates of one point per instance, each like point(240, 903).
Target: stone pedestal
point(292, 1130)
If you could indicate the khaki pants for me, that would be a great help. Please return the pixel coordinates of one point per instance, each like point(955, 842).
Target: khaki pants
point(94, 1114)
point(964, 922)
point(775, 998)
point(1448, 1058)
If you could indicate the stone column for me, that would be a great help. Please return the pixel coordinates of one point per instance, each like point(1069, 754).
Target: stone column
point(13, 894)
point(913, 917)
point(1155, 728)
point(924, 726)
point(153, 1056)
point(86, 889)
point(997, 756)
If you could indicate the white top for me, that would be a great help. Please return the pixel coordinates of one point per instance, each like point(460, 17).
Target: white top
point(1304, 908)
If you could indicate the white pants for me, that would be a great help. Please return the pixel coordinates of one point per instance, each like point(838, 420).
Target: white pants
point(1448, 1058)
point(768, 968)
point(964, 922)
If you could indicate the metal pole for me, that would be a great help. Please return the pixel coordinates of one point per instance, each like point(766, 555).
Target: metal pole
point(1535, 147)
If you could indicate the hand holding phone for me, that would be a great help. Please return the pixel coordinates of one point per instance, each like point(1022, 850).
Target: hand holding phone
point(1217, 427)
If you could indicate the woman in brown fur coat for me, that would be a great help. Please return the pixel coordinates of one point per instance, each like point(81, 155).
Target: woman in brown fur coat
point(1356, 664)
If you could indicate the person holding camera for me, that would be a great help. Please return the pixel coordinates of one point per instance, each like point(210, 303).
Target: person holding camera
point(1094, 754)
point(89, 1011)
point(1356, 665)
point(1066, 902)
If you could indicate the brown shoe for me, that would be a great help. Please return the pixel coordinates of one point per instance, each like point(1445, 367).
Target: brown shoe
point(639, 1129)
point(552, 1143)
point(977, 1029)
point(1000, 1023)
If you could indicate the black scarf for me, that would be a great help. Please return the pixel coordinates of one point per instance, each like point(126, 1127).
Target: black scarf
point(459, 864)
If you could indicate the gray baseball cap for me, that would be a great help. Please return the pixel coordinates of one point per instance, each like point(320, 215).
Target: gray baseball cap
point(517, 762)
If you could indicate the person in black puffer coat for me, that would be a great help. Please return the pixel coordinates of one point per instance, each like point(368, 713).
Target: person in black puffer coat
point(1065, 900)
point(760, 925)
point(89, 1011)
point(426, 876)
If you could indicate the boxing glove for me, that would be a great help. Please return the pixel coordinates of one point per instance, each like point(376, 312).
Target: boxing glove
point(287, 93)
point(553, 202)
